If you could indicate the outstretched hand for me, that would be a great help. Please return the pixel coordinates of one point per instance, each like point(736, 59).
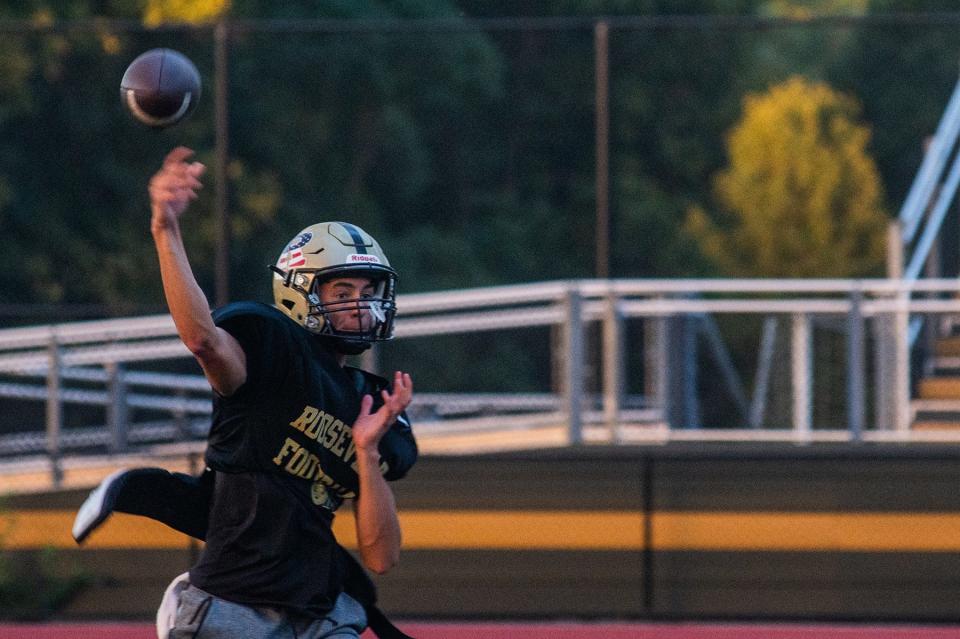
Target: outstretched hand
point(370, 427)
point(173, 187)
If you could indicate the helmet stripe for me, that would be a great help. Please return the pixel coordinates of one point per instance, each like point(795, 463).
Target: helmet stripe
point(354, 232)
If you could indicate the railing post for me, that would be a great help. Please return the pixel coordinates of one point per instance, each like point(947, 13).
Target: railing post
point(613, 366)
point(800, 353)
point(54, 408)
point(900, 392)
point(221, 57)
point(656, 365)
point(883, 382)
point(117, 416)
point(855, 365)
point(761, 387)
point(893, 345)
point(573, 368)
point(895, 250)
point(931, 323)
point(689, 380)
point(601, 39)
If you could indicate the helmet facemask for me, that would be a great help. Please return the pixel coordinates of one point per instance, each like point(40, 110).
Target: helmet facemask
point(374, 312)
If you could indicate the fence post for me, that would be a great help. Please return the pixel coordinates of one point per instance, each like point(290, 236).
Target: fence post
point(117, 417)
point(54, 408)
point(656, 382)
point(601, 40)
point(613, 366)
point(758, 404)
point(221, 55)
point(855, 365)
point(900, 392)
point(800, 353)
point(573, 369)
point(689, 380)
point(883, 347)
point(898, 352)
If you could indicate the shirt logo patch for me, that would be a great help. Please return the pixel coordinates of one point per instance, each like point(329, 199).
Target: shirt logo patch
point(320, 496)
point(363, 258)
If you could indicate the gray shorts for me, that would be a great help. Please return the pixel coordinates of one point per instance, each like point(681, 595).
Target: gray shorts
point(201, 615)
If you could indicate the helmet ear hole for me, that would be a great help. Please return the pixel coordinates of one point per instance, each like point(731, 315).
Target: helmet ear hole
point(289, 304)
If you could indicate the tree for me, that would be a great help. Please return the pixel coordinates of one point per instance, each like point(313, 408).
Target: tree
point(192, 11)
point(801, 196)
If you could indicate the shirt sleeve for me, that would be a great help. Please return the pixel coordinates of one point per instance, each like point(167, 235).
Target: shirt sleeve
point(263, 339)
point(398, 448)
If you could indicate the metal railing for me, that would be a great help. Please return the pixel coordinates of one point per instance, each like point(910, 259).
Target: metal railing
point(93, 364)
point(916, 235)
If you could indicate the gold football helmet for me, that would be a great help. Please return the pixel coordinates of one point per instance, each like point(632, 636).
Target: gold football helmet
point(335, 249)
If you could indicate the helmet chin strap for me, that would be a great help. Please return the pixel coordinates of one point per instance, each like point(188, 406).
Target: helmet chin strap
point(345, 345)
point(340, 341)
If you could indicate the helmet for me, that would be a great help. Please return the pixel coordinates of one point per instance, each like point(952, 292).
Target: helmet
point(335, 249)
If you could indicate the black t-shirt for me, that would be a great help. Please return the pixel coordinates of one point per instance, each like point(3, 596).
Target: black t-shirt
point(285, 461)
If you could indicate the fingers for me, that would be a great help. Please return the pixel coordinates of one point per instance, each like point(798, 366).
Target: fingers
point(177, 181)
point(366, 402)
point(402, 382)
point(402, 389)
point(394, 403)
point(177, 156)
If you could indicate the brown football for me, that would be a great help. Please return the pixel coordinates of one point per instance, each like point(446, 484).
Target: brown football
point(160, 87)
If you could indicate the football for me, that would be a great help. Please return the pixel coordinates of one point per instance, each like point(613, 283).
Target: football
point(160, 87)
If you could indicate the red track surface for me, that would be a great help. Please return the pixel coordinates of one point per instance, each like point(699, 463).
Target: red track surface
point(547, 630)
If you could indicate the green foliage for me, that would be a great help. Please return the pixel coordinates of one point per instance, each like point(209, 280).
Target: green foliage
point(469, 153)
point(36, 585)
point(802, 195)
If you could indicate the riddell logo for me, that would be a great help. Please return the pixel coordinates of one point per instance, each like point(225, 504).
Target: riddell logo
point(365, 258)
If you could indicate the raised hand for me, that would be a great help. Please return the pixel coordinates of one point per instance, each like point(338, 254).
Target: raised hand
point(173, 187)
point(370, 427)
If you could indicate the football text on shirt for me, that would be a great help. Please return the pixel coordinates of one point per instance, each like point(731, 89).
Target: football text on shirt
point(332, 434)
point(329, 431)
point(306, 465)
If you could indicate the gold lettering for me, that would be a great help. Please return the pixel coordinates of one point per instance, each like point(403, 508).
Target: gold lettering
point(288, 446)
point(308, 415)
point(309, 467)
point(314, 426)
point(320, 426)
point(324, 425)
point(297, 461)
point(338, 447)
point(330, 436)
